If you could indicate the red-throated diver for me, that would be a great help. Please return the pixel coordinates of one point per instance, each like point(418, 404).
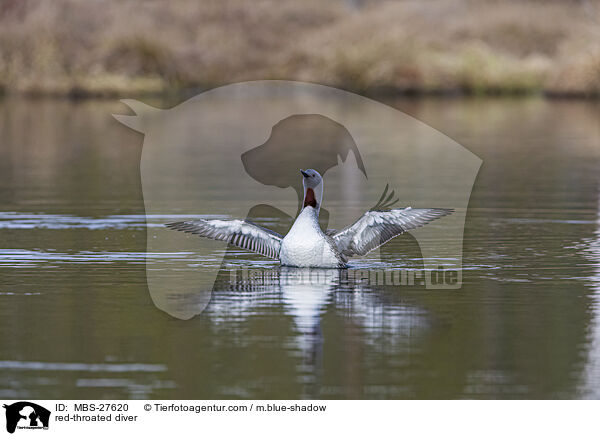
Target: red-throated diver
point(306, 245)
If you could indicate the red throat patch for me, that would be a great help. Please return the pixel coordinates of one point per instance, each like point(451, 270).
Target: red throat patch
point(309, 198)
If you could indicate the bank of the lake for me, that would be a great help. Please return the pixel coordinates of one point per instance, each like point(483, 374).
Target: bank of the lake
point(135, 48)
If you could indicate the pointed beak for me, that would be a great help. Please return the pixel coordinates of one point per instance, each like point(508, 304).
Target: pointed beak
point(304, 173)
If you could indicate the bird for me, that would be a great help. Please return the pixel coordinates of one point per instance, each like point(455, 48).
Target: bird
point(306, 245)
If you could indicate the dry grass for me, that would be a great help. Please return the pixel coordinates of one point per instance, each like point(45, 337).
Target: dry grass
point(459, 45)
point(110, 47)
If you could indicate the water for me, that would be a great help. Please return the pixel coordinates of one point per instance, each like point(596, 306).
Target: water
point(77, 321)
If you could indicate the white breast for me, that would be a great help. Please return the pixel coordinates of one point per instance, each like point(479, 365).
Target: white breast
point(305, 244)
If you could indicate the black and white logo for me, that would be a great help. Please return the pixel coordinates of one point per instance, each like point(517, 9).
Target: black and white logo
point(26, 415)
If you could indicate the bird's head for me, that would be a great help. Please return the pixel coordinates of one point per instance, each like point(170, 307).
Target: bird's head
point(313, 188)
point(311, 178)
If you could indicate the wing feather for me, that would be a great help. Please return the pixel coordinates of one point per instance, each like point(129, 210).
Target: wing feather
point(376, 227)
point(242, 234)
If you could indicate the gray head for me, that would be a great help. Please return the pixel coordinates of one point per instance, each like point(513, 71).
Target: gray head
point(312, 179)
point(313, 189)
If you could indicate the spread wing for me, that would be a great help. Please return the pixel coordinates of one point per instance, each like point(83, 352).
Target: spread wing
point(243, 234)
point(375, 228)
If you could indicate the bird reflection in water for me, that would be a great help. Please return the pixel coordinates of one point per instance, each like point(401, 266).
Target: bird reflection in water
point(373, 314)
point(591, 249)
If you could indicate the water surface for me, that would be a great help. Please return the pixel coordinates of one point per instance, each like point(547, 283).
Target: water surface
point(76, 319)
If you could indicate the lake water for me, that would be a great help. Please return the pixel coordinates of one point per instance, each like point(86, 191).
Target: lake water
point(77, 320)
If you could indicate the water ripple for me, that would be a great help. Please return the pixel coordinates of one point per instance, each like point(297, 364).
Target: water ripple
point(15, 258)
point(24, 221)
point(89, 367)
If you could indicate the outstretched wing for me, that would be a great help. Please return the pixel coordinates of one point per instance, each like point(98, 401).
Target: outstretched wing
point(240, 233)
point(375, 228)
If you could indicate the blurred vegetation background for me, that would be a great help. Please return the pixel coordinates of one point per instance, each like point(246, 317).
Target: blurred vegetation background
point(133, 47)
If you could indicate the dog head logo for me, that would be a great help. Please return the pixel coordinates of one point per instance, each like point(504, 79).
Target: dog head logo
point(236, 151)
point(26, 415)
